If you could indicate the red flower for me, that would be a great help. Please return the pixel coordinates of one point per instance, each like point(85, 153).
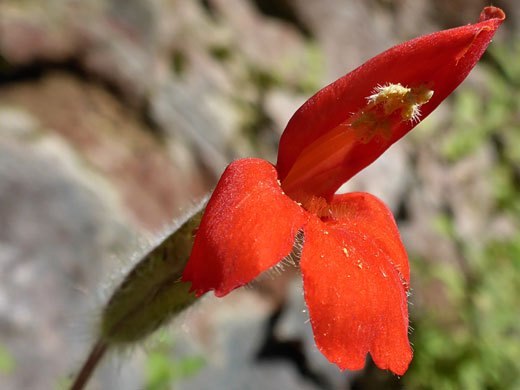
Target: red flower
point(354, 266)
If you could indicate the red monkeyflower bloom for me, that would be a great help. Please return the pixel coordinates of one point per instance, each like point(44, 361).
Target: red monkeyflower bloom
point(355, 268)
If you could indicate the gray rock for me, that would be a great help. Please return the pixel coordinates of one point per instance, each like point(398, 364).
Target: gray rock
point(229, 333)
point(55, 235)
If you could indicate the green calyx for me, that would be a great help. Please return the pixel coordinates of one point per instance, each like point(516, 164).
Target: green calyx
point(152, 293)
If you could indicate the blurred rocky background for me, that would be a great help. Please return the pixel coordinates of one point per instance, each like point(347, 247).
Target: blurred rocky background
point(116, 116)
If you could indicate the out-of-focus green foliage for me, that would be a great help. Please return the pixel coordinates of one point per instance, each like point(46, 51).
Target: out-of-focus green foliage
point(473, 344)
point(311, 80)
point(163, 370)
point(470, 337)
point(7, 362)
point(477, 117)
point(63, 383)
point(470, 132)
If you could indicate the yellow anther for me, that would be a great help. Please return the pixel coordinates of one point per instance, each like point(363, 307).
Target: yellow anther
point(395, 97)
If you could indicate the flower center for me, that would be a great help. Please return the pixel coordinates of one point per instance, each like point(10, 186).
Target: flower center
point(378, 115)
point(317, 168)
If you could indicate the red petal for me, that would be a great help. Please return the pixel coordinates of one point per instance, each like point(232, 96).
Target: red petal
point(248, 226)
point(356, 300)
point(369, 217)
point(441, 60)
